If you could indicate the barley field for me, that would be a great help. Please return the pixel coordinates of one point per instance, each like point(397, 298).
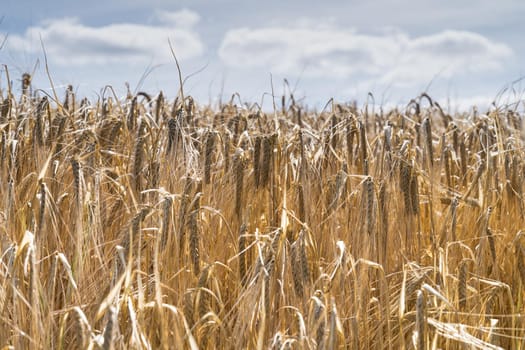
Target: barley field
point(155, 222)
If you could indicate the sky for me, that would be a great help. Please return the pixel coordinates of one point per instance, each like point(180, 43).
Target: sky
point(459, 52)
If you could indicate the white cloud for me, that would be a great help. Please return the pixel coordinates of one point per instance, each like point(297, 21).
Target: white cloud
point(183, 19)
point(446, 54)
point(388, 57)
point(68, 41)
point(322, 51)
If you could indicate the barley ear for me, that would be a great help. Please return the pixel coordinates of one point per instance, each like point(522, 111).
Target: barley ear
point(420, 321)
point(239, 180)
point(428, 141)
point(110, 330)
point(194, 244)
point(297, 276)
point(242, 253)
point(210, 144)
point(462, 285)
point(256, 161)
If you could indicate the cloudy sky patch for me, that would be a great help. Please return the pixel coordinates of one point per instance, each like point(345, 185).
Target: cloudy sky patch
point(337, 53)
point(394, 49)
point(69, 41)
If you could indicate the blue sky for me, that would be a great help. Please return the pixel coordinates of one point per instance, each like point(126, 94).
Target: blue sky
point(459, 52)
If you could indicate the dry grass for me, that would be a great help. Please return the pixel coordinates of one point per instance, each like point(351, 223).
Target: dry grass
point(146, 223)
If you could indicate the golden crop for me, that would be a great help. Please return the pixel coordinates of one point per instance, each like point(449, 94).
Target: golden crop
point(148, 223)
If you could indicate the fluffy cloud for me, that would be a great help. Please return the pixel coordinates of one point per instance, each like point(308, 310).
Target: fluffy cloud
point(181, 19)
point(446, 53)
point(391, 57)
point(68, 41)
